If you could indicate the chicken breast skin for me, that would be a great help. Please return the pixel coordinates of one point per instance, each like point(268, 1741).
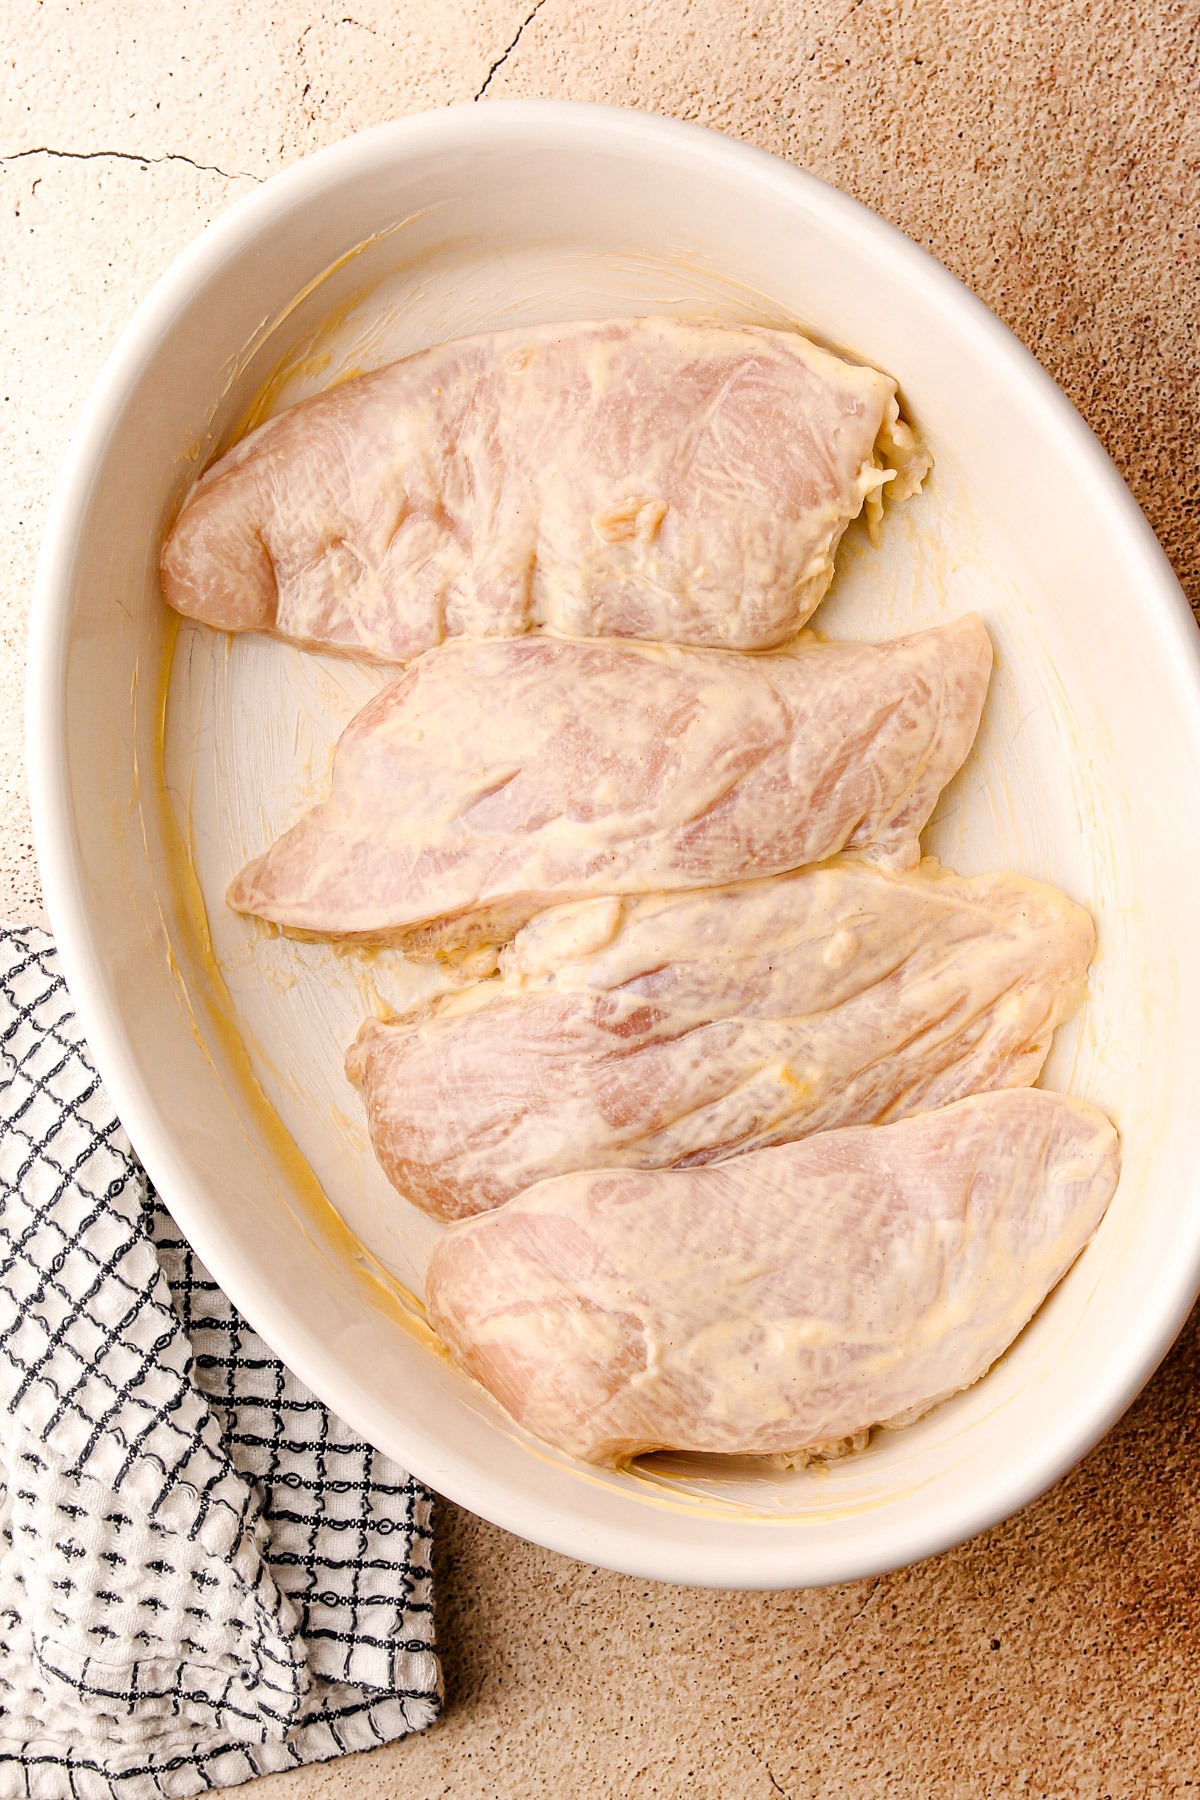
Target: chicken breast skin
point(677, 1029)
point(493, 780)
point(647, 478)
point(787, 1298)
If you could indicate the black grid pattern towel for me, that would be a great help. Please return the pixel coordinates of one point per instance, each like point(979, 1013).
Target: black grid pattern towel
point(203, 1576)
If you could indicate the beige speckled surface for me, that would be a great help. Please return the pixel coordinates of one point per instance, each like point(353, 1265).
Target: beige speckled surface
point(1049, 153)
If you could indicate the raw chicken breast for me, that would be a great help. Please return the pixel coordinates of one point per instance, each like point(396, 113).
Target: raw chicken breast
point(676, 1029)
point(642, 478)
point(493, 780)
point(784, 1299)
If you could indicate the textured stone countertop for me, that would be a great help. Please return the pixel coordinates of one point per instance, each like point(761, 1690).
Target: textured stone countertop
point(1049, 153)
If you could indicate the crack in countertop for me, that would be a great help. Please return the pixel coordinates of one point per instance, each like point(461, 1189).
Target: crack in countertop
point(505, 54)
point(172, 156)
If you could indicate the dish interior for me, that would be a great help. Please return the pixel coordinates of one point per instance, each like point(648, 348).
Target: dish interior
point(250, 727)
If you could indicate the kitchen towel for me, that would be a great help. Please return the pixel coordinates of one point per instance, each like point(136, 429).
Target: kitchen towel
point(203, 1576)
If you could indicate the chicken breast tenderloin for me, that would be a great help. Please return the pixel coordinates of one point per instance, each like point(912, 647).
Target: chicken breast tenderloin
point(493, 780)
point(787, 1298)
point(646, 478)
point(677, 1029)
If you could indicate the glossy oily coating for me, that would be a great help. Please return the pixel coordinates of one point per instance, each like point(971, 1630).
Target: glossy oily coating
point(677, 1029)
point(646, 478)
point(493, 780)
point(788, 1298)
